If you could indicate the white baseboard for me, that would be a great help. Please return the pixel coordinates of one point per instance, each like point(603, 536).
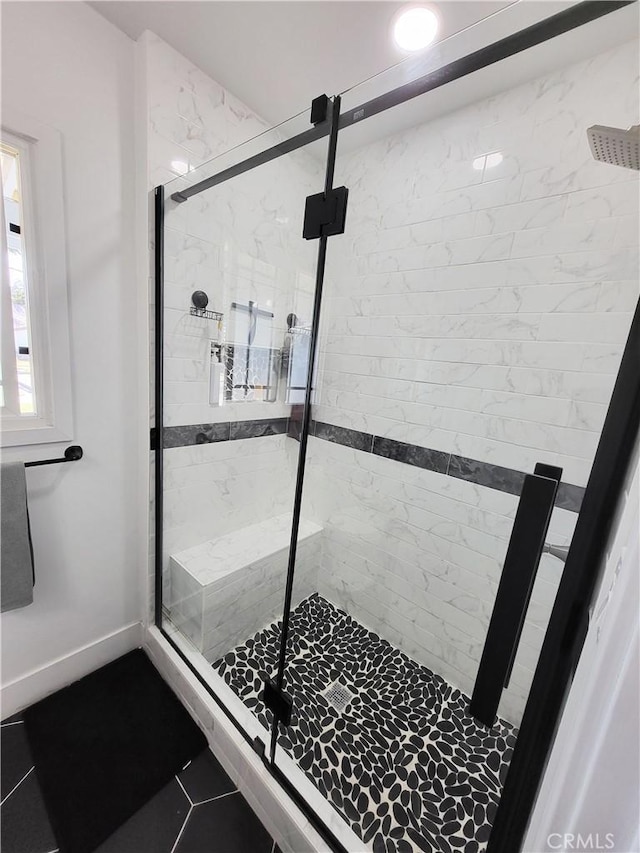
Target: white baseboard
point(58, 673)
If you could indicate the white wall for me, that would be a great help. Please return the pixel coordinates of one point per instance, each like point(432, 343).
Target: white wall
point(480, 312)
point(592, 781)
point(64, 65)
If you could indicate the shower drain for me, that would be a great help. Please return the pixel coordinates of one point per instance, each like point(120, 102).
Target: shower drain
point(338, 696)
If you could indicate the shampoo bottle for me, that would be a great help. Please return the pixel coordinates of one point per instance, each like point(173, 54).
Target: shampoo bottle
point(216, 385)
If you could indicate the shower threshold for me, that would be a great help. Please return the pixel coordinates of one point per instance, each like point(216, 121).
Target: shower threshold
point(402, 762)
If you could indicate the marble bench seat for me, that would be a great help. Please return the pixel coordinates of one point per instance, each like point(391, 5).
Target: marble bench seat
point(226, 589)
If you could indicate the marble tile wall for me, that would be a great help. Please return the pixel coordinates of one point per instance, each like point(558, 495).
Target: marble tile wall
point(488, 474)
point(481, 309)
point(213, 489)
point(476, 305)
point(238, 242)
point(259, 606)
point(227, 589)
point(416, 556)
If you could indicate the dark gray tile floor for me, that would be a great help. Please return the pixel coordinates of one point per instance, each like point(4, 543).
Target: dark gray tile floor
point(199, 811)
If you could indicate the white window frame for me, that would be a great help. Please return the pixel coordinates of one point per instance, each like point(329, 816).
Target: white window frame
point(45, 249)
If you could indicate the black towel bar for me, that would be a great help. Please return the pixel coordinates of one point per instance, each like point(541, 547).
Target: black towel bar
point(71, 454)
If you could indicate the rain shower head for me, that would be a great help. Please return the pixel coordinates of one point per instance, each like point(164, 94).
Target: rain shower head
point(616, 146)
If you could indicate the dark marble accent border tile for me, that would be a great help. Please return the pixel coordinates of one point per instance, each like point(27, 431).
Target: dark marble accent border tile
point(183, 436)
point(257, 428)
point(570, 497)
point(486, 474)
point(294, 427)
point(509, 480)
point(411, 454)
point(343, 435)
point(189, 434)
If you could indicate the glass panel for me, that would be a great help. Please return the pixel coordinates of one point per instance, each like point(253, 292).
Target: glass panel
point(474, 315)
point(229, 467)
point(22, 403)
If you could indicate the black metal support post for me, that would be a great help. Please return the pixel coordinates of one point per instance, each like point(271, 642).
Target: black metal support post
point(158, 394)
point(278, 150)
point(306, 417)
point(555, 25)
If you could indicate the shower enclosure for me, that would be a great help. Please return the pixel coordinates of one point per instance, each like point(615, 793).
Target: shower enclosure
point(387, 336)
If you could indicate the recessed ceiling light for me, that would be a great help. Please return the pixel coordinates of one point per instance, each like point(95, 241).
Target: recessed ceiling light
point(415, 28)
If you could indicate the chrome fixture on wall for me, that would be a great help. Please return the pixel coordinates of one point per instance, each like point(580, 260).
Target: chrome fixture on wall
point(199, 302)
point(615, 146)
point(559, 551)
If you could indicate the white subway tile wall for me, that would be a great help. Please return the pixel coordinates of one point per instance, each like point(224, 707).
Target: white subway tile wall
point(476, 311)
point(238, 242)
point(480, 312)
point(227, 589)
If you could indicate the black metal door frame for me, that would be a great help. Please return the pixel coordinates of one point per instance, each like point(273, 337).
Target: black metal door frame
point(328, 126)
point(568, 624)
point(305, 425)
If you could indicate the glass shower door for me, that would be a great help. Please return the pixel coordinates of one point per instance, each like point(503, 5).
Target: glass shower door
point(473, 321)
point(237, 298)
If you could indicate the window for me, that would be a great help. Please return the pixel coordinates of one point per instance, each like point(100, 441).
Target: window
point(17, 391)
point(35, 389)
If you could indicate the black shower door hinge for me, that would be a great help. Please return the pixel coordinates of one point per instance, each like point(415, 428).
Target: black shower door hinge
point(153, 438)
point(258, 746)
point(325, 214)
point(319, 109)
point(278, 702)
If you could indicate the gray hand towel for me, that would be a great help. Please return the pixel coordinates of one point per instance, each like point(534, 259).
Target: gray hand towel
point(16, 554)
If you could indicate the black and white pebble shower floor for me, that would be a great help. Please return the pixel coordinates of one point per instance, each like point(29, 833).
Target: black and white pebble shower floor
point(404, 763)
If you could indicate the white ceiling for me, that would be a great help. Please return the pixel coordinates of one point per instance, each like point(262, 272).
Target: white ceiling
point(277, 55)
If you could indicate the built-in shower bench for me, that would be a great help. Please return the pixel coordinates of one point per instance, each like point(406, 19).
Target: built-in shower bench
point(226, 589)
